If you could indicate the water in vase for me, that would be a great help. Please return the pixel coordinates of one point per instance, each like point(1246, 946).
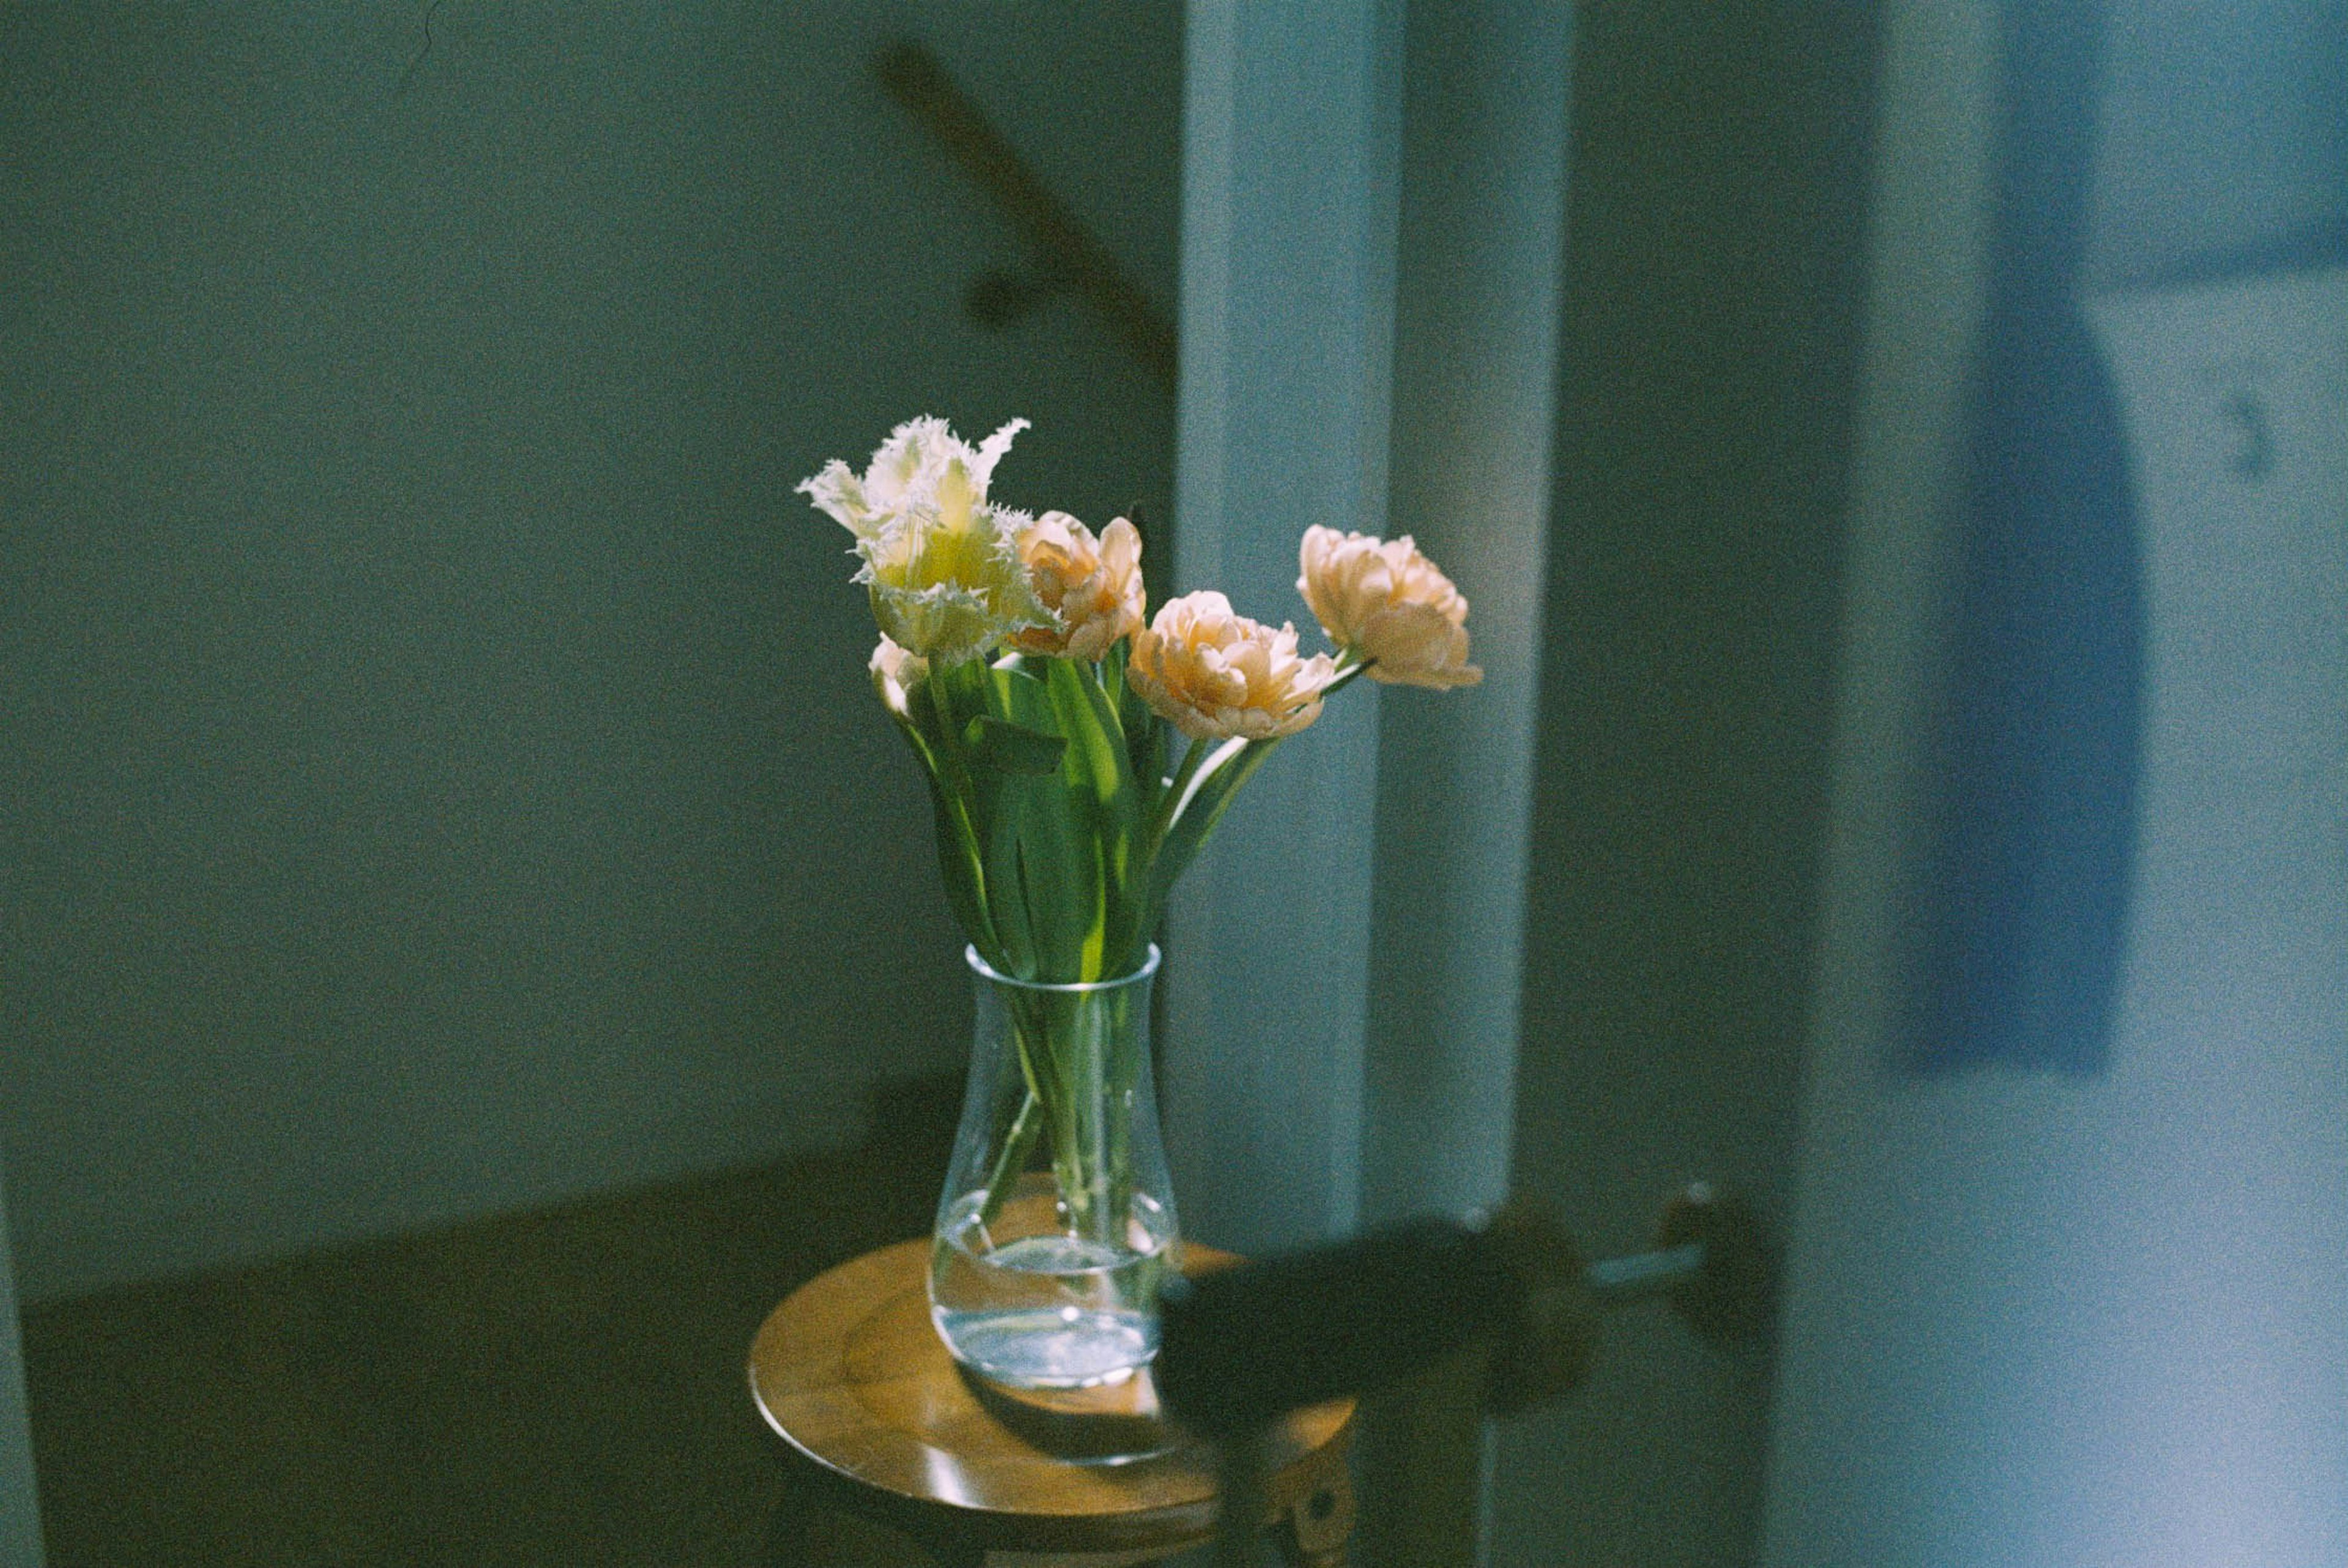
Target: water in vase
point(1024, 1300)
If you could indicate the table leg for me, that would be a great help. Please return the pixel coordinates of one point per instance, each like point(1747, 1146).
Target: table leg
point(1314, 1532)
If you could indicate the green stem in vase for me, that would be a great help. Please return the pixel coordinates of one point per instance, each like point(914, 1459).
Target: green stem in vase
point(1077, 1076)
point(1011, 1159)
point(1118, 1101)
point(1067, 1049)
point(956, 799)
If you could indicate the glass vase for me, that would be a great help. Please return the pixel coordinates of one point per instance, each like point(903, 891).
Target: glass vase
point(1056, 1222)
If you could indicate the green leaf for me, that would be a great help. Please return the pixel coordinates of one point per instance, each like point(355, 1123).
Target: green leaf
point(1096, 766)
point(1013, 693)
point(1006, 894)
point(1043, 881)
point(1091, 725)
point(1112, 673)
point(959, 867)
point(1011, 748)
point(1100, 770)
point(956, 802)
point(1146, 741)
point(1059, 872)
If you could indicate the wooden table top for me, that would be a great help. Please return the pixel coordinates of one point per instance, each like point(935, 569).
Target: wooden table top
point(851, 1373)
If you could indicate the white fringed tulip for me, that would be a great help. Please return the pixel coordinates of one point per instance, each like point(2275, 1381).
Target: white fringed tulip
point(941, 561)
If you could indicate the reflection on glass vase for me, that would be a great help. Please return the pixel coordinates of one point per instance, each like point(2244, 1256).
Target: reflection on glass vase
point(1056, 1222)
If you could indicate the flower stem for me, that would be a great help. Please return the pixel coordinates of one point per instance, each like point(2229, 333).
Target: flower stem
point(1163, 816)
point(1016, 1142)
point(958, 793)
point(1346, 673)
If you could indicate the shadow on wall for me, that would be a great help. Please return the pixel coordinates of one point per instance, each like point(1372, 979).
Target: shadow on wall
point(439, 774)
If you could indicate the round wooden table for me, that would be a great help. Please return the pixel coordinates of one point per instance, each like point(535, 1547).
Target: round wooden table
point(878, 1418)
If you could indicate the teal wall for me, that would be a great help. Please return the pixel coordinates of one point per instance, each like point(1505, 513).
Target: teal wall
point(438, 772)
point(1715, 213)
point(2094, 1316)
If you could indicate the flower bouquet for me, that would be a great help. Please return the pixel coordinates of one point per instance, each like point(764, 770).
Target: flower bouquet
point(1078, 757)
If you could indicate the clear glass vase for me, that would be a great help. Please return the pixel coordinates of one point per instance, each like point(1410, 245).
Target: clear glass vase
point(1056, 1222)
